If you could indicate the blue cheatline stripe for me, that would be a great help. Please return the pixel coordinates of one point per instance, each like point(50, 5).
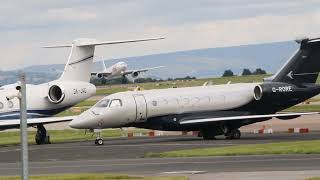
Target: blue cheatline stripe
point(17, 116)
point(31, 113)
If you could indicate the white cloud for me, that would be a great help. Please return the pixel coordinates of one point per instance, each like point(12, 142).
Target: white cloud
point(70, 14)
point(187, 24)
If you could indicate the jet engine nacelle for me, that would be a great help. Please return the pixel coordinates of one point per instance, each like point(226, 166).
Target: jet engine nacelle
point(69, 93)
point(280, 90)
point(135, 74)
point(99, 75)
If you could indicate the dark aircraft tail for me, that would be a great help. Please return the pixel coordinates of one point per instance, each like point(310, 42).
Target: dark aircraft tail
point(303, 66)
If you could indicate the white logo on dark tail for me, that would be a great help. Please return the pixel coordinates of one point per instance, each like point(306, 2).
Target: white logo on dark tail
point(290, 75)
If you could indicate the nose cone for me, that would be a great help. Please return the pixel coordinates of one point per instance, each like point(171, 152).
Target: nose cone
point(76, 123)
point(83, 121)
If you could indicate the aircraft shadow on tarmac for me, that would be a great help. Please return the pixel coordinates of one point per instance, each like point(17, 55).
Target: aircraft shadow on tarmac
point(246, 139)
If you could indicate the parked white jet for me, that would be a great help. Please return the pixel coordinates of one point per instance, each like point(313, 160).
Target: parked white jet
point(212, 110)
point(56, 96)
point(118, 70)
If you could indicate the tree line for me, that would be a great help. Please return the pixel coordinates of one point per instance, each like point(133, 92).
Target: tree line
point(124, 80)
point(245, 72)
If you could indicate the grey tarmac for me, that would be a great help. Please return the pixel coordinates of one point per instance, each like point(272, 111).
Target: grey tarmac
point(159, 166)
point(123, 155)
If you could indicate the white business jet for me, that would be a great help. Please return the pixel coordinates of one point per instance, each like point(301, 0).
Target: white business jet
point(50, 98)
point(212, 110)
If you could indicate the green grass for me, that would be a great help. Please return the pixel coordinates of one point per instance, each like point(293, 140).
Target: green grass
point(298, 147)
point(95, 177)
point(314, 178)
point(304, 108)
point(56, 136)
point(185, 83)
point(86, 103)
point(70, 113)
point(110, 90)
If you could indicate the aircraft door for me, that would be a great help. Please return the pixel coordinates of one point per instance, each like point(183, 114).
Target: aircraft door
point(141, 107)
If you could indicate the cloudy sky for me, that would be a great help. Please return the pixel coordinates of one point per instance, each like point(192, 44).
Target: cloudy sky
point(26, 26)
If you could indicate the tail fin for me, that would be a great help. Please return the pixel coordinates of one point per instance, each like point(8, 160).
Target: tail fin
point(303, 66)
point(80, 61)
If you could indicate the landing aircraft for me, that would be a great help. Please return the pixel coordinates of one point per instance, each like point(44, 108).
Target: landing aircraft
point(51, 98)
point(118, 70)
point(212, 110)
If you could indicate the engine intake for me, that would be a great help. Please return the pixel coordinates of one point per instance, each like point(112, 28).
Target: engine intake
point(257, 92)
point(135, 74)
point(99, 75)
point(56, 94)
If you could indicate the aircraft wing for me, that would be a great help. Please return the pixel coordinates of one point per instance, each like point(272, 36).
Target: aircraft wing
point(231, 118)
point(141, 70)
point(14, 123)
point(105, 74)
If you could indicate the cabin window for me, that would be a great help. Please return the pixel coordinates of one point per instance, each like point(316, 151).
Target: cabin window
point(116, 103)
point(1, 105)
point(103, 103)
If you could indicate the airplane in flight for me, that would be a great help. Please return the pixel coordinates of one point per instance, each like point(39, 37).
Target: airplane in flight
point(212, 110)
point(53, 97)
point(119, 70)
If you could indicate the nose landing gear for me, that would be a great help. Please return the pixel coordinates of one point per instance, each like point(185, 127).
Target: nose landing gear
point(99, 140)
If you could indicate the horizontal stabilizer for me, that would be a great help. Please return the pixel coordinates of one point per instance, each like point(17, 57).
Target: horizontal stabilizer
point(94, 42)
point(118, 42)
point(232, 118)
point(57, 46)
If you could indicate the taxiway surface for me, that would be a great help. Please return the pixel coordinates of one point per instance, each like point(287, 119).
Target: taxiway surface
point(123, 155)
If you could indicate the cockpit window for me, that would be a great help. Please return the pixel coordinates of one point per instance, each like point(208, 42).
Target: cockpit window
point(116, 103)
point(103, 103)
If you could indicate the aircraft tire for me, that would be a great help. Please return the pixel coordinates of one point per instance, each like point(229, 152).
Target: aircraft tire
point(42, 136)
point(99, 141)
point(37, 139)
point(235, 134)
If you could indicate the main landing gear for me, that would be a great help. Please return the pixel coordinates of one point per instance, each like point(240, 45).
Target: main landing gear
point(210, 134)
point(99, 140)
point(42, 135)
point(234, 134)
point(230, 133)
